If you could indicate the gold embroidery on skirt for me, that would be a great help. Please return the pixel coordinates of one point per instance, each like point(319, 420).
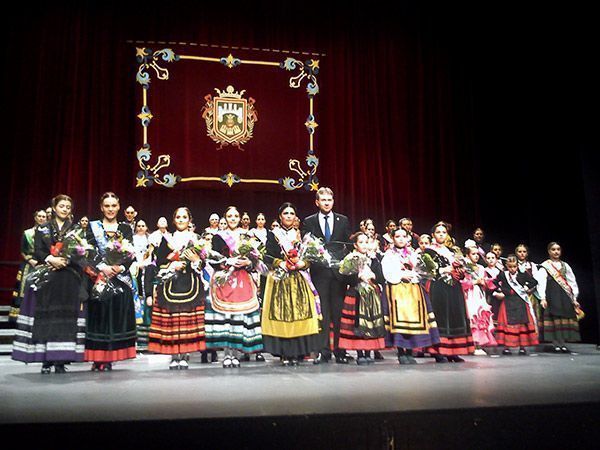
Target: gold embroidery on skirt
point(291, 299)
point(370, 322)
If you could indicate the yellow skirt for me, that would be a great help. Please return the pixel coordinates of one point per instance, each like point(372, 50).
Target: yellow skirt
point(408, 309)
point(289, 308)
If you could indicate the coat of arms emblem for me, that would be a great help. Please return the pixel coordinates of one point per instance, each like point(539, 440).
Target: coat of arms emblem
point(229, 117)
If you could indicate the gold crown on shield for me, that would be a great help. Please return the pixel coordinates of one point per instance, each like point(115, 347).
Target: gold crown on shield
point(230, 92)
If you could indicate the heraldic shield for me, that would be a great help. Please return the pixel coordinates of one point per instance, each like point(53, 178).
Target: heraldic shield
point(231, 121)
point(229, 117)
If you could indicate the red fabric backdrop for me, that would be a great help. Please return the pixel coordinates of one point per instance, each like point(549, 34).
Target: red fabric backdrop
point(424, 112)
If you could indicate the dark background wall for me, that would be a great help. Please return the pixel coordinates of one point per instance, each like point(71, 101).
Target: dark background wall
point(479, 115)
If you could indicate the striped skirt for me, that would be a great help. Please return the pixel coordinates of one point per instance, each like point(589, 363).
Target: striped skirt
point(351, 336)
point(237, 331)
point(176, 332)
point(27, 349)
point(517, 335)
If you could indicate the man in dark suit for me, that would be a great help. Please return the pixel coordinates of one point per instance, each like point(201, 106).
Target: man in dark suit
point(335, 231)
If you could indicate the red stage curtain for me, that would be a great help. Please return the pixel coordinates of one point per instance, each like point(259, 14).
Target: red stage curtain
point(424, 112)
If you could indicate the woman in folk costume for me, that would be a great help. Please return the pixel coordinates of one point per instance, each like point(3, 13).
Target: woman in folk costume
point(233, 316)
point(411, 320)
point(139, 272)
point(526, 266)
point(447, 299)
point(51, 322)
point(478, 310)
point(559, 292)
point(29, 262)
point(290, 316)
point(491, 273)
point(362, 325)
point(516, 319)
point(111, 332)
point(177, 325)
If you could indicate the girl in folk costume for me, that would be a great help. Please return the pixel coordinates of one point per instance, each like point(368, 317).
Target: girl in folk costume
point(233, 317)
point(260, 230)
point(111, 333)
point(474, 290)
point(411, 319)
point(51, 322)
point(447, 299)
point(525, 266)
point(491, 272)
point(559, 291)
point(362, 325)
point(424, 241)
point(496, 249)
point(290, 315)
point(387, 239)
point(373, 242)
point(516, 320)
point(177, 326)
point(29, 262)
point(139, 273)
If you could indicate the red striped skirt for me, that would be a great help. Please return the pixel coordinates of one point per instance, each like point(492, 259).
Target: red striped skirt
point(453, 346)
point(176, 332)
point(348, 339)
point(519, 335)
point(110, 355)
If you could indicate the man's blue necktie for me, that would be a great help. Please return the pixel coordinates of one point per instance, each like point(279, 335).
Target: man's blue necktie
point(327, 229)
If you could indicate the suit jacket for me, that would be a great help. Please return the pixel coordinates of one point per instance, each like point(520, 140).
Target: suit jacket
point(337, 245)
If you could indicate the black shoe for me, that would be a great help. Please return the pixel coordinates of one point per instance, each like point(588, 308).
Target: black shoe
point(320, 359)
point(294, 361)
point(204, 358)
point(378, 356)
point(522, 352)
point(348, 357)
point(403, 359)
point(96, 367)
point(46, 367)
point(506, 352)
point(440, 359)
point(285, 362)
point(456, 359)
point(341, 360)
point(213, 356)
point(565, 350)
point(260, 357)
point(556, 349)
point(60, 368)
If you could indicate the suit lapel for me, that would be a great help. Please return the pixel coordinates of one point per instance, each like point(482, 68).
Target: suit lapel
point(336, 228)
point(317, 228)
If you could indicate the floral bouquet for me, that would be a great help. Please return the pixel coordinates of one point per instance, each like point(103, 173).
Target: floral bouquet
point(247, 247)
point(426, 266)
point(118, 252)
point(202, 247)
point(73, 248)
point(312, 249)
point(292, 258)
point(359, 264)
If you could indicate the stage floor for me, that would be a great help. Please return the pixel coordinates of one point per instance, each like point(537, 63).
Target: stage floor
point(144, 388)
